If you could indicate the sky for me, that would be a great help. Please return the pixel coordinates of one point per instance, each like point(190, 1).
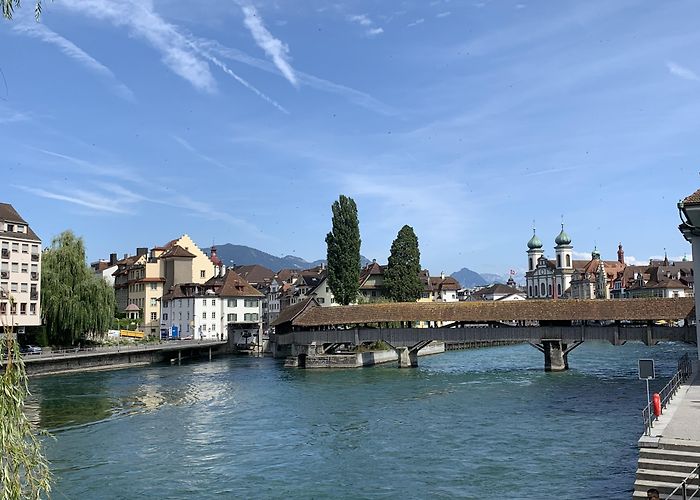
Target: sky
point(132, 122)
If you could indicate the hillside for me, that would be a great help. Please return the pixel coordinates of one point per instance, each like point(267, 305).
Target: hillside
point(241, 255)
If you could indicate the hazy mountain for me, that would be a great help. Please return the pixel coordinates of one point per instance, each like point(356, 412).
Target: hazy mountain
point(468, 278)
point(241, 255)
point(494, 278)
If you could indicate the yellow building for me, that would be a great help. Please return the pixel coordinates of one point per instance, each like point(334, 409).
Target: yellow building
point(150, 276)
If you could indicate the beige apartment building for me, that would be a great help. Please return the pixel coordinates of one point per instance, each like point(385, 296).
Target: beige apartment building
point(144, 278)
point(20, 270)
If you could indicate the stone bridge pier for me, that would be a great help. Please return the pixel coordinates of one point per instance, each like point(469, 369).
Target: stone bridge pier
point(408, 356)
point(556, 353)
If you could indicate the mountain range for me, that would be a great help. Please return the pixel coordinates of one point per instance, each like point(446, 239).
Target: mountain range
point(241, 255)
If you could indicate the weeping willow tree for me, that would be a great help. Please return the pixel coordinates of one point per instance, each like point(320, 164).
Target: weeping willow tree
point(9, 6)
point(74, 301)
point(24, 471)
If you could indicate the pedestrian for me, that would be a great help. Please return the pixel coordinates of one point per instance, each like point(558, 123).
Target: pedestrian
point(653, 494)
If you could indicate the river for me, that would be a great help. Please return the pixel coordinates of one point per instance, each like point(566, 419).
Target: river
point(481, 424)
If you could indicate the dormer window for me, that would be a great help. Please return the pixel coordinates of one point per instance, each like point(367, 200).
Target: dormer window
point(10, 228)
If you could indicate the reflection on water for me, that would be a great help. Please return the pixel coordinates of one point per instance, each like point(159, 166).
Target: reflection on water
point(471, 424)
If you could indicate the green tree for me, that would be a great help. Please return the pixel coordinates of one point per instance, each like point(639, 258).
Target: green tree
point(24, 471)
point(402, 274)
point(343, 244)
point(74, 301)
point(9, 6)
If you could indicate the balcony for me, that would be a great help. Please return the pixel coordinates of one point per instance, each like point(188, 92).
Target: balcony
point(35, 257)
point(34, 295)
point(5, 275)
point(5, 253)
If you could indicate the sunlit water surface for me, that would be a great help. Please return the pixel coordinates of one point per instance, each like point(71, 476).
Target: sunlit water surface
point(483, 424)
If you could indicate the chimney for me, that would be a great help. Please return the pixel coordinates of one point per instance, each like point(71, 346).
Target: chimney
point(442, 275)
point(112, 259)
point(126, 255)
point(620, 254)
point(141, 251)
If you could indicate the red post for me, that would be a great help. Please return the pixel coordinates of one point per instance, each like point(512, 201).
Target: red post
point(656, 399)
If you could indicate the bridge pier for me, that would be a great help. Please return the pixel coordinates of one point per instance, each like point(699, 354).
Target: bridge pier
point(556, 353)
point(408, 358)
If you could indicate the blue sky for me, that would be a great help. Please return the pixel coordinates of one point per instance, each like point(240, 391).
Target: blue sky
point(132, 122)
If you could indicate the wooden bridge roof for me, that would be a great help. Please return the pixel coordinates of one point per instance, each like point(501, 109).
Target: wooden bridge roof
point(645, 309)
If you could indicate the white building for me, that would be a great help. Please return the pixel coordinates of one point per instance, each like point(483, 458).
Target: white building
point(224, 306)
point(546, 278)
point(20, 270)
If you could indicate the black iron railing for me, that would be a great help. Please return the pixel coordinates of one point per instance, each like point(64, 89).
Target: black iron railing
point(685, 368)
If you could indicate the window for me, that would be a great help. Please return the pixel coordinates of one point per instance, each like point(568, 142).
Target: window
point(204, 315)
point(165, 316)
point(32, 309)
point(13, 308)
point(15, 267)
point(542, 289)
point(231, 302)
point(35, 249)
point(250, 317)
point(251, 303)
point(213, 302)
point(154, 302)
point(180, 316)
point(559, 289)
point(213, 315)
point(558, 260)
point(25, 247)
point(231, 317)
point(328, 289)
point(320, 300)
point(532, 264)
point(202, 274)
point(154, 316)
point(568, 261)
point(154, 286)
point(23, 308)
point(3, 307)
point(15, 247)
point(11, 228)
point(25, 267)
point(549, 290)
point(13, 287)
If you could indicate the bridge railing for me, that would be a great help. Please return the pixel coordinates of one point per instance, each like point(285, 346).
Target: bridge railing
point(684, 370)
point(683, 487)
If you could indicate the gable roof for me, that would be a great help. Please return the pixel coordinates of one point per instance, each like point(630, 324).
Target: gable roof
point(288, 314)
point(178, 251)
point(255, 273)
point(233, 285)
point(498, 289)
point(9, 214)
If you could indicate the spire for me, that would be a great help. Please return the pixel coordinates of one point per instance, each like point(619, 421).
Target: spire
point(534, 243)
point(562, 238)
point(665, 258)
point(595, 254)
point(620, 254)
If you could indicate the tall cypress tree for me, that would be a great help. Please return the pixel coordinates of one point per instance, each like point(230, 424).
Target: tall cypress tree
point(73, 300)
point(343, 244)
point(402, 275)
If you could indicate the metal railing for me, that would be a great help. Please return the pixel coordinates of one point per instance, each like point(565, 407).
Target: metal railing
point(685, 368)
point(683, 487)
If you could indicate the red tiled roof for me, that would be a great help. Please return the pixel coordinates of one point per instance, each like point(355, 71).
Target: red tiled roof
point(178, 251)
point(235, 286)
point(693, 198)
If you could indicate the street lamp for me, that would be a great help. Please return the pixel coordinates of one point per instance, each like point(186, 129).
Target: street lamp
point(689, 212)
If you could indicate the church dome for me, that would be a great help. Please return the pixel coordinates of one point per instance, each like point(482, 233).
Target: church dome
point(534, 242)
point(562, 238)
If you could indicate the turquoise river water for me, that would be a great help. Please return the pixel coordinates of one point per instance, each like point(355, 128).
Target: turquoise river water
point(481, 424)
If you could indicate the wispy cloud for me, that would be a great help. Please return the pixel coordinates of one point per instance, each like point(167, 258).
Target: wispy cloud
point(416, 22)
point(243, 82)
point(88, 167)
point(443, 14)
point(366, 22)
point(15, 117)
point(197, 153)
point(89, 199)
point(273, 47)
point(145, 23)
point(43, 33)
point(682, 71)
point(356, 96)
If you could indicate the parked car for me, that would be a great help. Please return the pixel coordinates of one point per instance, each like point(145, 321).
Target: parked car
point(30, 349)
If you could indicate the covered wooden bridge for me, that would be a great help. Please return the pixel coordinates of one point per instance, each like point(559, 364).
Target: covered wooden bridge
point(553, 326)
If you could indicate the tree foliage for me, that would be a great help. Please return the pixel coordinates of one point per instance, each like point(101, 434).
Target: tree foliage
point(402, 274)
point(9, 6)
point(74, 301)
point(24, 471)
point(343, 244)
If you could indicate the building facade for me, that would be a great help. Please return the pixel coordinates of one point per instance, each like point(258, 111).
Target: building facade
point(20, 270)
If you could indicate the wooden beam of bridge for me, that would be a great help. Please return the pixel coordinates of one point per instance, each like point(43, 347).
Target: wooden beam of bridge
point(406, 337)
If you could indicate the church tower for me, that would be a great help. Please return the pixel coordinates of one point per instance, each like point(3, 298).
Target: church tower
point(564, 255)
point(534, 251)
